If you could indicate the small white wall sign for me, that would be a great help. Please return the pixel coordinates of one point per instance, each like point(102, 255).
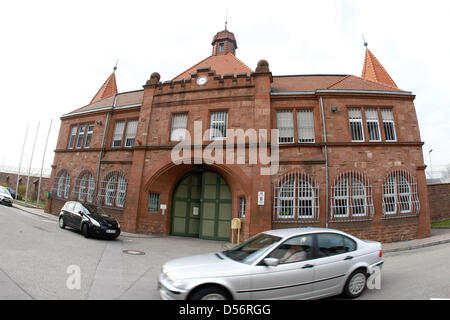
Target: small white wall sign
point(261, 196)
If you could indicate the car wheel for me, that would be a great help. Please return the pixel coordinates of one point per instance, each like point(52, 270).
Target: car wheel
point(355, 284)
point(210, 293)
point(85, 231)
point(62, 225)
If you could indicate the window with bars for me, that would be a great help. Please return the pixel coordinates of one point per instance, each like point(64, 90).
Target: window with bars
point(84, 187)
point(218, 125)
point(153, 202)
point(73, 134)
point(389, 125)
point(400, 196)
point(356, 124)
point(285, 126)
point(113, 190)
point(242, 207)
point(61, 185)
point(351, 197)
point(118, 134)
point(130, 134)
point(90, 131)
point(373, 125)
point(296, 199)
point(179, 126)
point(305, 125)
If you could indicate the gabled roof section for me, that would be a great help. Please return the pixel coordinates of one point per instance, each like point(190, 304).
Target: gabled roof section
point(108, 89)
point(221, 64)
point(374, 71)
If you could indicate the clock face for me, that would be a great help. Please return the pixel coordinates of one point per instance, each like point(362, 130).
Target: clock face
point(201, 81)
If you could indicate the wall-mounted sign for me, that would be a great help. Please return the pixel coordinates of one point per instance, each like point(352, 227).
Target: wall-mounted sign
point(195, 211)
point(261, 196)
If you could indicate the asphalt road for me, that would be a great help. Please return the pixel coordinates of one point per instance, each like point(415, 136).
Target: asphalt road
point(37, 258)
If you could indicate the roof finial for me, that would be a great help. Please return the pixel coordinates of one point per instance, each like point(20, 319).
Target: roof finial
point(115, 66)
point(365, 42)
point(226, 20)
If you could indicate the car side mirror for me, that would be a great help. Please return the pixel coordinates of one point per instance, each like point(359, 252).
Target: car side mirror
point(271, 262)
point(81, 213)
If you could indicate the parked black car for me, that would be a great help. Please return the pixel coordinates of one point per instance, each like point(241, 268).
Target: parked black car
point(91, 220)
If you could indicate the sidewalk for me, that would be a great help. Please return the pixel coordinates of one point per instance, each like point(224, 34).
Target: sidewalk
point(438, 236)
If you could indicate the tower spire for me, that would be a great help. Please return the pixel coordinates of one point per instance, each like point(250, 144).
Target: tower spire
point(108, 89)
point(374, 71)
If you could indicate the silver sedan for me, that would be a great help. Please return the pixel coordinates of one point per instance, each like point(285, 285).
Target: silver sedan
point(300, 263)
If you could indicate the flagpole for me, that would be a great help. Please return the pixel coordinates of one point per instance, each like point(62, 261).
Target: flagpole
point(42, 166)
point(31, 160)
point(20, 163)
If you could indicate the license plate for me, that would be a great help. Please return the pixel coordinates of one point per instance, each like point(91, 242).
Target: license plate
point(110, 231)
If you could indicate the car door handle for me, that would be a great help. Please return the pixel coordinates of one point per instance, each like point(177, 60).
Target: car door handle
point(348, 258)
point(307, 266)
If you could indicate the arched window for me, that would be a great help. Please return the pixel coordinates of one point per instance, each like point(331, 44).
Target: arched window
point(84, 187)
point(61, 185)
point(113, 190)
point(351, 197)
point(296, 199)
point(400, 195)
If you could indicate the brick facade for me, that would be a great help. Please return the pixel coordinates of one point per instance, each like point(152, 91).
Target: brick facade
point(252, 101)
point(10, 180)
point(439, 195)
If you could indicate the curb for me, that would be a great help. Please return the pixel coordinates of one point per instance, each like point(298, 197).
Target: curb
point(418, 246)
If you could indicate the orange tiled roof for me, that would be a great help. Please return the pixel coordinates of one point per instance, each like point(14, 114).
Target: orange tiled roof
point(374, 71)
point(108, 89)
point(221, 64)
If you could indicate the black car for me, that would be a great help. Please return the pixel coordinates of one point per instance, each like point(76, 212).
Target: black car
point(91, 220)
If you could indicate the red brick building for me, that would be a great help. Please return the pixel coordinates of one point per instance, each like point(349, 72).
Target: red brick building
point(349, 152)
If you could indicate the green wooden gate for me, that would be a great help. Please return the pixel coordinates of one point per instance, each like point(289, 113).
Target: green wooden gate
point(201, 207)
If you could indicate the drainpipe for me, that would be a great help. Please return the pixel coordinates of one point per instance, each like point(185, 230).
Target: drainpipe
point(326, 160)
point(103, 144)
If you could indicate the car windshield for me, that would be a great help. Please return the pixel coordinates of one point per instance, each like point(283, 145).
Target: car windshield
point(95, 210)
point(4, 190)
point(250, 250)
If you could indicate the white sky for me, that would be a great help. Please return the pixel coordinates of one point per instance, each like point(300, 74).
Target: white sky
point(55, 55)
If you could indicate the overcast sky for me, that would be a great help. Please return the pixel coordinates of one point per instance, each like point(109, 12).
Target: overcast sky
point(55, 55)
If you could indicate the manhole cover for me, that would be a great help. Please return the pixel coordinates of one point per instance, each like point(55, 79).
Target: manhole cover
point(134, 252)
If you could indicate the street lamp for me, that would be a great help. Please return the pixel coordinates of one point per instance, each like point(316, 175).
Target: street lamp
point(431, 166)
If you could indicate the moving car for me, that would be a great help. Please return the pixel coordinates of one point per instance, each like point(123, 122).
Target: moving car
point(300, 263)
point(89, 219)
point(5, 196)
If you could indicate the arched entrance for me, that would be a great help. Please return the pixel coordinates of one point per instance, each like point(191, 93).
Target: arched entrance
point(201, 206)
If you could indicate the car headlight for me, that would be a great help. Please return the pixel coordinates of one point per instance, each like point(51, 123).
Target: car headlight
point(95, 223)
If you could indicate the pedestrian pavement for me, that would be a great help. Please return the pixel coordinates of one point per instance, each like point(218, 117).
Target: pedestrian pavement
point(438, 236)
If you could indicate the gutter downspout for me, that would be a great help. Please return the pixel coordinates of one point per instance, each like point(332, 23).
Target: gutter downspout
point(103, 144)
point(326, 160)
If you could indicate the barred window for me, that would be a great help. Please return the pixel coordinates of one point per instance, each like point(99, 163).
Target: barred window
point(356, 124)
point(90, 131)
point(305, 125)
point(285, 126)
point(153, 202)
point(218, 126)
point(113, 190)
point(242, 207)
point(84, 187)
point(118, 133)
point(130, 135)
point(400, 196)
point(179, 125)
point(61, 185)
point(389, 125)
point(296, 199)
point(351, 197)
point(73, 134)
point(373, 125)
